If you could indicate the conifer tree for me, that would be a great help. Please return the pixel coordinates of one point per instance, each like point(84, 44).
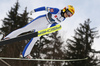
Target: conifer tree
point(13, 21)
point(50, 48)
point(80, 46)
point(10, 22)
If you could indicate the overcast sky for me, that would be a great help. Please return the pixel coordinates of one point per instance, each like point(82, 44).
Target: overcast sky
point(84, 9)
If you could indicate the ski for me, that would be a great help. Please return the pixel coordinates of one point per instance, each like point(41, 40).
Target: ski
point(31, 35)
point(7, 58)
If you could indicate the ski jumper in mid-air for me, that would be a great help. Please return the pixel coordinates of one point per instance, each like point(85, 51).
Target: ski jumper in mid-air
point(53, 17)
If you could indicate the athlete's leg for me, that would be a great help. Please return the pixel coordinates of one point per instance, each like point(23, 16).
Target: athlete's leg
point(37, 24)
point(29, 46)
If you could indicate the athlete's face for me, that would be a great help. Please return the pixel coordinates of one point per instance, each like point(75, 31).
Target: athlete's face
point(67, 14)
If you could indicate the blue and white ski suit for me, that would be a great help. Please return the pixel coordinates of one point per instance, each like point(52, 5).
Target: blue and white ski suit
point(41, 22)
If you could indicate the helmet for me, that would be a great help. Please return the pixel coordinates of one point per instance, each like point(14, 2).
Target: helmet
point(69, 8)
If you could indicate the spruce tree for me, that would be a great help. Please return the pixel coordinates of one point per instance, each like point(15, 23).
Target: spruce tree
point(50, 47)
point(80, 46)
point(13, 21)
point(10, 22)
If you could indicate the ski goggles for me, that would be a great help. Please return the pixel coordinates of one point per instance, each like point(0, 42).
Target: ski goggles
point(69, 14)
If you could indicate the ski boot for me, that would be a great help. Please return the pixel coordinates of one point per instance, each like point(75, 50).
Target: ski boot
point(26, 57)
point(29, 57)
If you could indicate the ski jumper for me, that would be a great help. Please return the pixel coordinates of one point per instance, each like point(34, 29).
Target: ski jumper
point(41, 22)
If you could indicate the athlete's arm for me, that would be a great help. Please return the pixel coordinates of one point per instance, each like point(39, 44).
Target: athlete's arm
point(48, 9)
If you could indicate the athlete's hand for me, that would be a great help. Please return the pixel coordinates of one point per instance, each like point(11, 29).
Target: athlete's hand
point(32, 12)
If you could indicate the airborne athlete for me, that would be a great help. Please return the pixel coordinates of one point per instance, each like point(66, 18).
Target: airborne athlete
point(52, 18)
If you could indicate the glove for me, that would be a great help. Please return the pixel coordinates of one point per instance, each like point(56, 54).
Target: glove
point(47, 9)
point(32, 12)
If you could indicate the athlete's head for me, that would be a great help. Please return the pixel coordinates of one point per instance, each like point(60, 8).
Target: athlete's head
point(68, 11)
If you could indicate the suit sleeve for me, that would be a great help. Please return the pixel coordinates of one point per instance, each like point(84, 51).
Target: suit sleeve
point(40, 9)
point(48, 9)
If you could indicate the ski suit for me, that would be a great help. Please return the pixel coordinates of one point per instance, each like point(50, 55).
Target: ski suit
point(52, 18)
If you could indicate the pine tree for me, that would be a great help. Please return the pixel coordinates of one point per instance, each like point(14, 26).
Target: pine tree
point(10, 23)
point(50, 48)
point(13, 21)
point(80, 46)
point(23, 19)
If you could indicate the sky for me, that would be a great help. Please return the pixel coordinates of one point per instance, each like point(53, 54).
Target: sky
point(84, 9)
